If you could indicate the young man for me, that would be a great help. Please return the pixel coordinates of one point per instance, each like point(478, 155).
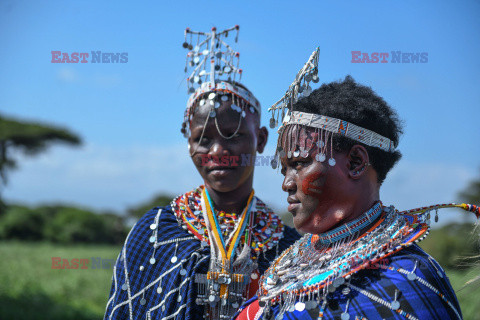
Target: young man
point(201, 256)
point(359, 258)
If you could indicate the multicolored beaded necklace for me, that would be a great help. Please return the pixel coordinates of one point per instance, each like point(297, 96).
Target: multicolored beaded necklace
point(315, 265)
point(266, 229)
point(232, 268)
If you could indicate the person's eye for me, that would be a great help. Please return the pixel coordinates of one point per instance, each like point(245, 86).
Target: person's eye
point(204, 141)
point(299, 164)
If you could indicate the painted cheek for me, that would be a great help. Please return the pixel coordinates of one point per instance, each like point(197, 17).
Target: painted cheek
point(309, 187)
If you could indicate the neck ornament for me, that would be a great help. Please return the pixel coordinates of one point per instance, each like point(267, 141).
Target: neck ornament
point(350, 228)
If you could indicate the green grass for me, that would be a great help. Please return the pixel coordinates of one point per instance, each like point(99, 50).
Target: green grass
point(31, 289)
point(468, 296)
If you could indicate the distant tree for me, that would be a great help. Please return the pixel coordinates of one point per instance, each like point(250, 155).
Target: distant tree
point(30, 138)
point(471, 194)
point(158, 201)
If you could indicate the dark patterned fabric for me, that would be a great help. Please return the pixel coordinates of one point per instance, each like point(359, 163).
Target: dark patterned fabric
point(416, 299)
point(139, 298)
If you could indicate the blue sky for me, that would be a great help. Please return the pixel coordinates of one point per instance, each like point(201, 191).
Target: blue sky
point(129, 114)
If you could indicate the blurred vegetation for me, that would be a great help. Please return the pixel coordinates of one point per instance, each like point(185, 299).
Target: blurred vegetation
point(61, 224)
point(31, 289)
point(453, 245)
point(30, 138)
point(157, 201)
point(471, 193)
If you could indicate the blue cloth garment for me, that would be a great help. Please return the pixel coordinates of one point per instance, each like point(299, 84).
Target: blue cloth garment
point(137, 296)
point(372, 291)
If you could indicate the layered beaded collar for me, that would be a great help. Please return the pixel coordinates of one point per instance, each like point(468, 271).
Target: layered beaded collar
point(307, 271)
point(352, 227)
point(312, 268)
point(265, 228)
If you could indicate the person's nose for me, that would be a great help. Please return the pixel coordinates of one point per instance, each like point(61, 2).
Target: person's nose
point(289, 184)
point(219, 149)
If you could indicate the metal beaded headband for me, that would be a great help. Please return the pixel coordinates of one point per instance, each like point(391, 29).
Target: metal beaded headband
point(215, 69)
point(326, 126)
point(341, 127)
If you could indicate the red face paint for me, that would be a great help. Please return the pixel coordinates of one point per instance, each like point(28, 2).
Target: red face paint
point(308, 184)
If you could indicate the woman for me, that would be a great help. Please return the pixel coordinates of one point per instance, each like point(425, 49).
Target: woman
point(201, 257)
point(359, 258)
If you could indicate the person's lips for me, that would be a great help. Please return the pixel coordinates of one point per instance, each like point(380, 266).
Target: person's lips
point(219, 168)
point(219, 171)
point(293, 204)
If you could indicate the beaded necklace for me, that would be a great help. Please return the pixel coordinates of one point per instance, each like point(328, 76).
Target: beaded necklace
point(265, 229)
point(315, 265)
point(232, 266)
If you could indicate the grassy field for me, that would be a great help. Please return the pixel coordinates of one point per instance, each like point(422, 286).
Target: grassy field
point(31, 289)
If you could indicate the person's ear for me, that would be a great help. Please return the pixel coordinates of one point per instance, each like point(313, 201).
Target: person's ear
point(358, 161)
point(262, 139)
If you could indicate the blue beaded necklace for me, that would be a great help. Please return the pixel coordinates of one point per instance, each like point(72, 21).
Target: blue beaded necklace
point(348, 229)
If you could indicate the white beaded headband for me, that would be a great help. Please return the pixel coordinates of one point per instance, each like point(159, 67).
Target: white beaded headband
point(340, 127)
point(215, 70)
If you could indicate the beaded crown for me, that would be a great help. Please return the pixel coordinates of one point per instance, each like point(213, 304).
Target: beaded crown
point(214, 68)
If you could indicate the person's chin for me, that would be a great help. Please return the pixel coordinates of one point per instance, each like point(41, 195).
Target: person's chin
point(223, 180)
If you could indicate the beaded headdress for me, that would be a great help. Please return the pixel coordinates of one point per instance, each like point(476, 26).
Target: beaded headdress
point(213, 78)
point(325, 126)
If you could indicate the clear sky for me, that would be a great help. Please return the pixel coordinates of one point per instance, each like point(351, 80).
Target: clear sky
point(129, 114)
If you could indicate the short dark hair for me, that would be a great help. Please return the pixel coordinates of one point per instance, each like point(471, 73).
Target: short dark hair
point(360, 105)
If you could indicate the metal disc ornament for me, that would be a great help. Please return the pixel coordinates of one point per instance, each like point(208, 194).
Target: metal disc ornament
point(272, 123)
point(411, 276)
point(274, 163)
point(345, 316)
point(173, 259)
point(331, 162)
point(299, 306)
point(395, 305)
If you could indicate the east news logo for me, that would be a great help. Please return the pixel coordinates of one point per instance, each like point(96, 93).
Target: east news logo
point(385, 57)
point(95, 57)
